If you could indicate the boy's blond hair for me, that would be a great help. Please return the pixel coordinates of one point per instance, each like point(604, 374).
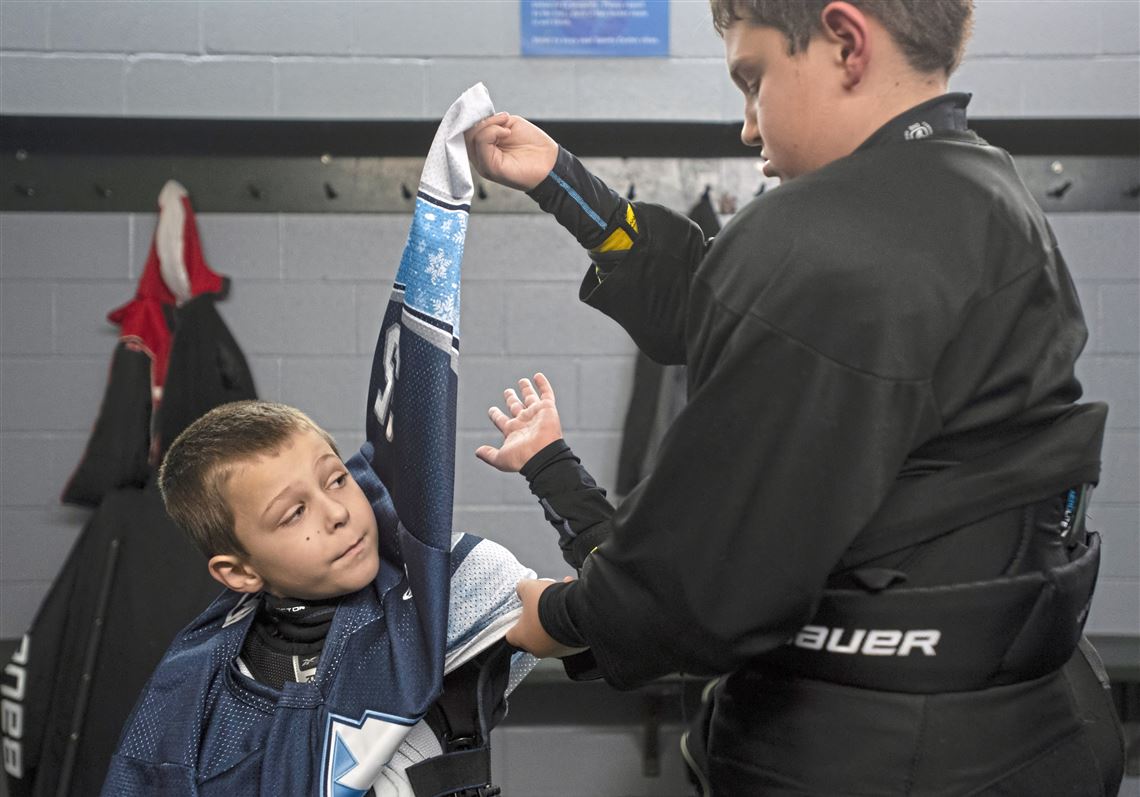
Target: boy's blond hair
point(931, 33)
point(201, 459)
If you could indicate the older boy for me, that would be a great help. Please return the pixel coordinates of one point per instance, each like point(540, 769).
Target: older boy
point(869, 516)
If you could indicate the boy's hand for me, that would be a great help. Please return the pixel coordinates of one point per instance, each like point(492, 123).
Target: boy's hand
point(532, 425)
point(511, 151)
point(528, 633)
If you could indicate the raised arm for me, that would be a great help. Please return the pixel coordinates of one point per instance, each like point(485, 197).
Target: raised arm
point(643, 255)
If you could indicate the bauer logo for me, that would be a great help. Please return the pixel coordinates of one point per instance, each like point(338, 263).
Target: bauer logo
point(868, 642)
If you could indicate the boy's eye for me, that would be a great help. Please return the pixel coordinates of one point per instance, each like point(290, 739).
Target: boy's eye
point(339, 480)
point(294, 516)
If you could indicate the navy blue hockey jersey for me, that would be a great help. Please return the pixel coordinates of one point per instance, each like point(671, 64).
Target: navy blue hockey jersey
point(204, 727)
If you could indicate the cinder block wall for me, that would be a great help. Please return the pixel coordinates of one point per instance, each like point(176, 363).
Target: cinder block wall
point(308, 289)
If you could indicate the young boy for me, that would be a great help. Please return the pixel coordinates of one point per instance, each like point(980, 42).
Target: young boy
point(319, 671)
point(296, 536)
point(869, 516)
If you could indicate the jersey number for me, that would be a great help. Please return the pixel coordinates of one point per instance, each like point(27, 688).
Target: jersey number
point(383, 406)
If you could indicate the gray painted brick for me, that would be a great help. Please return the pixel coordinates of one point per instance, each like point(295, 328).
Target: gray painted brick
point(66, 85)
point(482, 381)
point(606, 385)
point(370, 300)
point(51, 394)
point(1118, 526)
point(353, 247)
point(1115, 379)
point(25, 318)
point(538, 88)
point(281, 28)
point(1115, 608)
point(540, 761)
point(1120, 26)
point(81, 325)
point(549, 319)
point(358, 89)
point(522, 530)
point(1099, 245)
point(63, 245)
point(691, 32)
point(438, 28)
point(1116, 326)
point(266, 376)
point(1120, 468)
point(219, 87)
point(1003, 27)
point(242, 246)
point(481, 319)
point(1108, 86)
point(475, 481)
point(294, 318)
point(996, 84)
point(26, 470)
point(19, 601)
point(125, 27)
point(36, 541)
point(521, 246)
point(688, 89)
point(332, 390)
point(23, 25)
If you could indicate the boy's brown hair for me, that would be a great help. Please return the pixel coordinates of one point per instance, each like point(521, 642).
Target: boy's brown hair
point(931, 33)
point(201, 459)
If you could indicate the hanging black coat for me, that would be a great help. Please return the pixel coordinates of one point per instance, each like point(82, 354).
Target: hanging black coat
point(129, 584)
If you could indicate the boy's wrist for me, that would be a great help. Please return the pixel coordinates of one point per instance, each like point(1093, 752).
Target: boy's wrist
point(554, 615)
point(588, 208)
point(546, 456)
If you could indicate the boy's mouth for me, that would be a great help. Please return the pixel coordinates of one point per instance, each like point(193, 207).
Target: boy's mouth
point(356, 546)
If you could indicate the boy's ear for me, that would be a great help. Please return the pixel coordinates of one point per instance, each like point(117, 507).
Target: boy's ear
point(846, 27)
point(231, 572)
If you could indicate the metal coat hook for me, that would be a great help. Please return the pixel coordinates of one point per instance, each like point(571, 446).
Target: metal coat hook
point(404, 192)
point(26, 190)
point(707, 193)
point(481, 191)
point(1059, 191)
point(254, 191)
point(631, 194)
point(330, 192)
point(103, 191)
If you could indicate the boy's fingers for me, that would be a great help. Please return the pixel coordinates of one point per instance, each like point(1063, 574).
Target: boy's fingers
point(514, 403)
point(487, 453)
point(528, 393)
point(545, 390)
point(499, 418)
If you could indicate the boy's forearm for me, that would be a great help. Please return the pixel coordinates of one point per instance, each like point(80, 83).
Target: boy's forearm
point(597, 216)
point(573, 502)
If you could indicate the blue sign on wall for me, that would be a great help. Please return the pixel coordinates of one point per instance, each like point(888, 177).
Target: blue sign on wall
point(595, 27)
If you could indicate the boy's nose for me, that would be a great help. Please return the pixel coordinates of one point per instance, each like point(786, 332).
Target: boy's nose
point(750, 131)
point(336, 513)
